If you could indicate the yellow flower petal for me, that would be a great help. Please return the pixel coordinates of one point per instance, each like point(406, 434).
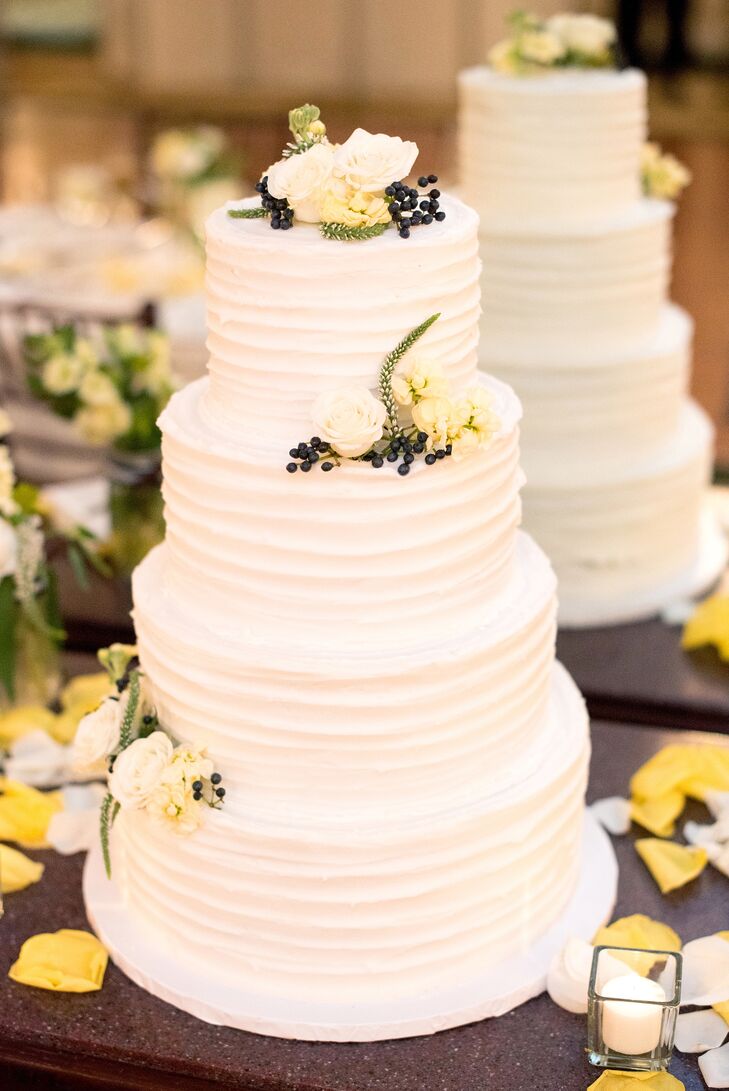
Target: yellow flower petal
point(723, 1010)
point(640, 932)
point(724, 935)
point(85, 692)
point(16, 870)
point(612, 1080)
point(65, 726)
point(709, 624)
point(25, 813)
point(64, 961)
point(689, 769)
point(658, 815)
point(19, 721)
point(671, 865)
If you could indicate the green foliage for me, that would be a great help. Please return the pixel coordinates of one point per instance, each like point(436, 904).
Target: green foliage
point(388, 370)
point(8, 623)
point(109, 810)
point(257, 213)
point(130, 713)
point(343, 233)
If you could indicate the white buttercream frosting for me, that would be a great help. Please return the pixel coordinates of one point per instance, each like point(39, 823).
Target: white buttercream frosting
point(559, 148)
point(290, 316)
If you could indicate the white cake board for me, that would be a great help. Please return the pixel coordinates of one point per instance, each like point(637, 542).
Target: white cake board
point(503, 987)
point(584, 612)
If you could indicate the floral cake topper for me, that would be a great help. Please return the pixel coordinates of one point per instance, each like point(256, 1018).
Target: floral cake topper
point(537, 45)
point(355, 190)
point(414, 416)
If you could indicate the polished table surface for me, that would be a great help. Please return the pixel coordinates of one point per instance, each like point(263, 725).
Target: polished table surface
point(121, 1037)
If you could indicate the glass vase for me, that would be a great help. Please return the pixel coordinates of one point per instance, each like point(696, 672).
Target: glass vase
point(136, 509)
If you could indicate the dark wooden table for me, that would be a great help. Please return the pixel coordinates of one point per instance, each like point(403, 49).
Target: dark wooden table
point(121, 1037)
point(640, 673)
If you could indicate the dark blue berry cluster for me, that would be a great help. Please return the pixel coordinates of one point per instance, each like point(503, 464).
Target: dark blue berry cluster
point(282, 216)
point(409, 208)
point(310, 453)
point(216, 794)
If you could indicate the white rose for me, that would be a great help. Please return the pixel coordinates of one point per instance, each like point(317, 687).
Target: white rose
point(101, 424)
point(62, 374)
point(97, 734)
point(371, 161)
point(541, 46)
point(350, 420)
point(184, 155)
point(8, 550)
point(97, 389)
point(586, 34)
point(139, 770)
point(302, 180)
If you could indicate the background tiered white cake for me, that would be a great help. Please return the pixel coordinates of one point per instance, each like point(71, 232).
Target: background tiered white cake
point(576, 266)
point(369, 660)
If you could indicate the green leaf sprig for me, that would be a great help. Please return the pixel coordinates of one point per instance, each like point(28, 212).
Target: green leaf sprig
point(387, 370)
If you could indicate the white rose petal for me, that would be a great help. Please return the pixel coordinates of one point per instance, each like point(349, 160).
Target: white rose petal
point(705, 972)
point(8, 549)
point(541, 46)
point(302, 180)
point(613, 813)
point(97, 734)
point(139, 769)
point(350, 420)
point(697, 1031)
point(586, 34)
point(717, 802)
point(714, 1067)
point(38, 760)
point(371, 161)
point(568, 977)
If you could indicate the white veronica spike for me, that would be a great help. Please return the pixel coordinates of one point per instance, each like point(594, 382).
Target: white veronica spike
point(697, 1031)
point(714, 1067)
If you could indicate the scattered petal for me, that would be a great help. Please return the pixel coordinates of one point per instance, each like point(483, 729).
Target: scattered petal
point(82, 797)
point(76, 827)
point(671, 865)
point(697, 1031)
point(613, 813)
point(714, 1067)
point(642, 933)
point(678, 612)
point(658, 815)
point(717, 802)
point(64, 961)
point(705, 972)
point(721, 860)
point(698, 834)
point(569, 974)
point(38, 760)
point(17, 870)
point(694, 770)
point(85, 692)
point(709, 625)
point(19, 721)
point(612, 1080)
point(25, 813)
point(723, 1010)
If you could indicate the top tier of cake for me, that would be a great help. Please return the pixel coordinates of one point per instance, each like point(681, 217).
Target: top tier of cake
point(559, 148)
point(291, 315)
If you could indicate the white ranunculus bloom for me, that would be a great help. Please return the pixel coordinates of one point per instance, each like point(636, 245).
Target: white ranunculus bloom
point(97, 734)
point(139, 770)
point(371, 161)
point(102, 424)
point(541, 46)
point(302, 180)
point(587, 34)
point(97, 389)
point(62, 374)
point(350, 420)
point(8, 549)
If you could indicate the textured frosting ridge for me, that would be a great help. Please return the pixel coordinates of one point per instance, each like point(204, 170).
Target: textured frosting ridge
point(368, 659)
point(285, 324)
point(563, 147)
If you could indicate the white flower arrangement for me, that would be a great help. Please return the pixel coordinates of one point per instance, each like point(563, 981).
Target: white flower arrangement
point(537, 45)
point(662, 175)
point(352, 424)
point(354, 190)
point(188, 156)
point(113, 392)
point(146, 770)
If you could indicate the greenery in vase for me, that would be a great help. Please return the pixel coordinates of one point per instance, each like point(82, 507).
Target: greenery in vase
point(112, 391)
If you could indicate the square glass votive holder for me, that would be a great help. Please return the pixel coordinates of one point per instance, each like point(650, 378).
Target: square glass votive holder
point(631, 1019)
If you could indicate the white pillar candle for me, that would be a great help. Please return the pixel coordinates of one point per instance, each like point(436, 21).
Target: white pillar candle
point(632, 1028)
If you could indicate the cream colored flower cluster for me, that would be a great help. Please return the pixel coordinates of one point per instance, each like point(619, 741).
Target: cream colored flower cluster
point(183, 155)
point(662, 175)
point(341, 183)
point(465, 423)
point(562, 41)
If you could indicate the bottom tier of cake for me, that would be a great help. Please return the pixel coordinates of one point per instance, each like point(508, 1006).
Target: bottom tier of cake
point(345, 912)
point(627, 537)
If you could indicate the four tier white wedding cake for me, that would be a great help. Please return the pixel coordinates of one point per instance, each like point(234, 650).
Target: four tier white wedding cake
point(576, 266)
point(365, 649)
